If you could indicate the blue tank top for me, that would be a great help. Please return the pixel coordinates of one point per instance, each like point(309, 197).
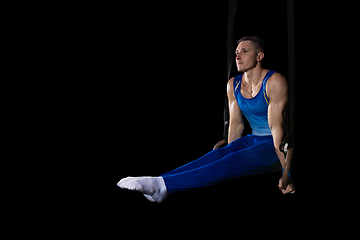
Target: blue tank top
point(255, 109)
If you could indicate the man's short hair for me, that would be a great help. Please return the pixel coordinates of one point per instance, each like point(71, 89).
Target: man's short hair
point(259, 44)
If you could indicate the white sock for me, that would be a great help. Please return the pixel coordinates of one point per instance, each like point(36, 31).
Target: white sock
point(153, 188)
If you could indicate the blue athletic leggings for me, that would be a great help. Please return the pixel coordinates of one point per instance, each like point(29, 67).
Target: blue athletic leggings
point(243, 157)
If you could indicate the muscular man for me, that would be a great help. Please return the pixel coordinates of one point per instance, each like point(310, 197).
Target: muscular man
point(258, 94)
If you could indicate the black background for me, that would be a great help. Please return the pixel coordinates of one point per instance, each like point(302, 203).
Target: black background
point(147, 96)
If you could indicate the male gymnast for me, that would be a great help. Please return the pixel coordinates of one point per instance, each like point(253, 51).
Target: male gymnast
point(258, 94)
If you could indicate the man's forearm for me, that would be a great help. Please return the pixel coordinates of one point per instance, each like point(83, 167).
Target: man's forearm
point(277, 133)
point(235, 132)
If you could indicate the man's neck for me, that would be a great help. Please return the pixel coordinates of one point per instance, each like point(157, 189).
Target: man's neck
point(253, 76)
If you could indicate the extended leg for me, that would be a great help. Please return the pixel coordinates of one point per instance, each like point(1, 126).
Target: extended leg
point(259, 158)
point(255, 155)
point(154, 188)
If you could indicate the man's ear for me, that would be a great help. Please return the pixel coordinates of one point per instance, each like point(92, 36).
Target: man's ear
point(260, 56)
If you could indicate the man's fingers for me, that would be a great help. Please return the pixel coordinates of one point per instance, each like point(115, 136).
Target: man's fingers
point(289, 189)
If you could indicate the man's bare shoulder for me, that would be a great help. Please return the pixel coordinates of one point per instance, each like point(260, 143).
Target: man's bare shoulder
point(230, 84)
point(277, 81)
point(276, 84)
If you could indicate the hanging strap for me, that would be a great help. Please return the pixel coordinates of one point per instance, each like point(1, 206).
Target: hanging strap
point(230, 58)
point(289, 123)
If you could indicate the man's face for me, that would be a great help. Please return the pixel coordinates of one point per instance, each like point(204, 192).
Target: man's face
point(246, 56)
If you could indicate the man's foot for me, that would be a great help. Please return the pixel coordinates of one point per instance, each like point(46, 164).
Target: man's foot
point(153, 188)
